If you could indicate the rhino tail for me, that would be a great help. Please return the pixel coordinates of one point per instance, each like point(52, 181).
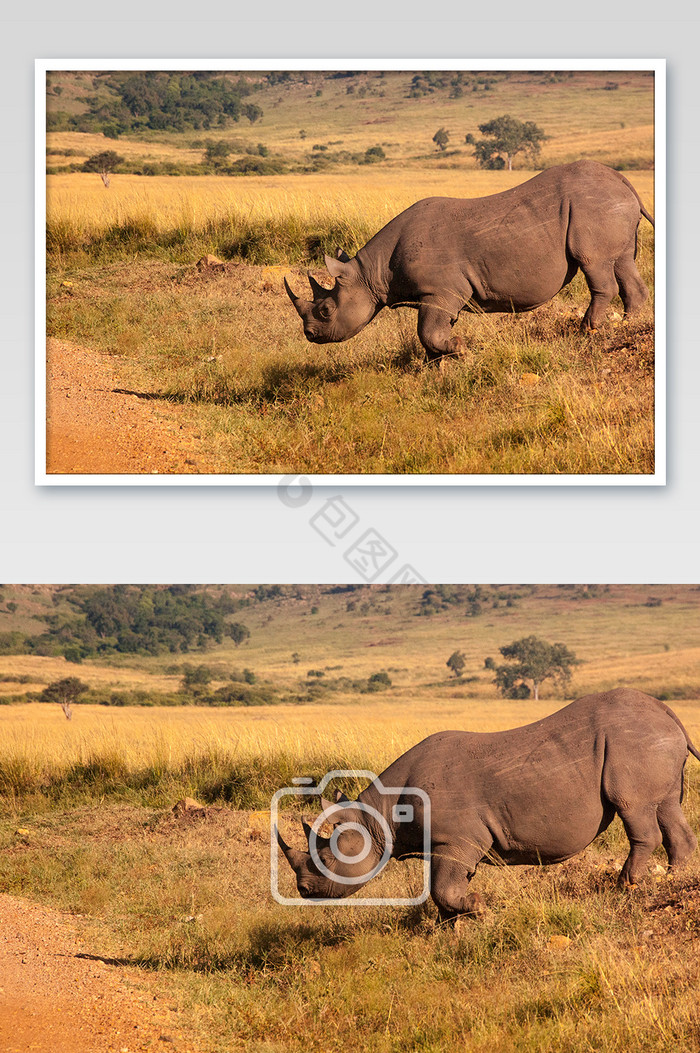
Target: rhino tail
point(646, 214)
point(642, 209)
point(676, 720)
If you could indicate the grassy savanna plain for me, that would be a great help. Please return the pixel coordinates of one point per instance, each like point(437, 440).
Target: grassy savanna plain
point(531, 395)
point(560, 960)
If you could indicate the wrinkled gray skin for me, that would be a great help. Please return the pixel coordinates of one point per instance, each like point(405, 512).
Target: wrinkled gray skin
point(505, 252)
point(536, 794)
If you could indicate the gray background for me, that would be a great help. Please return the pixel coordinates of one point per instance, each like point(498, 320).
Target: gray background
point(447, 534)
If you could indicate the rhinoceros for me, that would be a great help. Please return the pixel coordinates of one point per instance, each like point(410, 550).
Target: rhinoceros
point(538, 794)
point(507, 252)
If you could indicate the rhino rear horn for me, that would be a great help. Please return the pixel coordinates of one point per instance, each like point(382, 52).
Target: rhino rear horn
point(339, 795)
point(318, 291)
point(341, 255)
point(292, 855)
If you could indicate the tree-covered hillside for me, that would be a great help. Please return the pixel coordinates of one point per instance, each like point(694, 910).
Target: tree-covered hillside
point(125, 102)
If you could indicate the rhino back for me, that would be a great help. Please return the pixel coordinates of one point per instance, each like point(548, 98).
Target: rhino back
point(545, 790)
point(512, 250)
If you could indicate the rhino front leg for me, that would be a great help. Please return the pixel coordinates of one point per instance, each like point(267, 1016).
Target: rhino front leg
point(449, 881)
point(435, 332)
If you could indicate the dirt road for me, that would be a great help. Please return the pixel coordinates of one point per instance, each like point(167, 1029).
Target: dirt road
point(57, 994)
point(97, 427)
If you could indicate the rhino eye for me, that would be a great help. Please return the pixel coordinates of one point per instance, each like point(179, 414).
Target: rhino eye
point(325, 310)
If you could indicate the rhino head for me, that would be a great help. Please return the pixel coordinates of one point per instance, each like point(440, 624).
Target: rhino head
point(336, 866)
point(341, 312)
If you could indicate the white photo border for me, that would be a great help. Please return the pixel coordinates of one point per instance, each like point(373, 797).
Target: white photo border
point(657, 66)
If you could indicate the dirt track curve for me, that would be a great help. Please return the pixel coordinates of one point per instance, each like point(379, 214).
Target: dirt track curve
point(58, 996)
point(96, 427)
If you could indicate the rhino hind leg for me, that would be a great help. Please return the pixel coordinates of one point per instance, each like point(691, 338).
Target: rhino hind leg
point(600, 277)
point(642, 829)
point(632, 287)
point(678, 839)
point(435, 333)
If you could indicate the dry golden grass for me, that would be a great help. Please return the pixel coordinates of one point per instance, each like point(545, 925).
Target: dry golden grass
point(46, 669)
point(597, 146)
point(268, 402)
point(560, 959)
point(87, 144)
point(173, 744)
point(80, 199)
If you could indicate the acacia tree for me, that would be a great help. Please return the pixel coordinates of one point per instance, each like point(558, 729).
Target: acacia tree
point(66, 692)
point(531, 661)
point(105, 163)
point(505, 138)
point(456, 662)
point(238, 632)
point(441, 138)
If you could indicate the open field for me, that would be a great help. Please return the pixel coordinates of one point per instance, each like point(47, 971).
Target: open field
point(531, 395)
point(641, 636)
point(580, 113)
point(560, 960)
point(262, 219)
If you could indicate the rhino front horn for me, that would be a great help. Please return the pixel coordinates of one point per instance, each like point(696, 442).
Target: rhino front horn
point(296, 300)
point(293, 857)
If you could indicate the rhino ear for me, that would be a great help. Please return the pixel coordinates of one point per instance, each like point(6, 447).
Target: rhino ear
point(341, 815)
point(336, 267)
point(341, 255)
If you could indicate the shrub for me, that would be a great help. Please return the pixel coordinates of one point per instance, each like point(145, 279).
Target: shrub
point(378, 682)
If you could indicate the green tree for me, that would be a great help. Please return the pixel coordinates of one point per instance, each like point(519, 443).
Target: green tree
point(530, 662)
point(65, 692)
point(504, 138)
point(238, 632)
point(195, 678)
point(441, 138)
point(216, 152)
point(104, 163)
point(457, 662)
point(374, 154)
point(378, 682)
point(252, 112)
